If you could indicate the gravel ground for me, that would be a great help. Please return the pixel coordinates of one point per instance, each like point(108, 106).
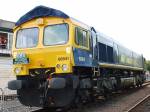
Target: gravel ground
point(15, 106)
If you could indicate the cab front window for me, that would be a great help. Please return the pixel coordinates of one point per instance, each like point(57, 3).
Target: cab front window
point(56, 34)
point(27, 38)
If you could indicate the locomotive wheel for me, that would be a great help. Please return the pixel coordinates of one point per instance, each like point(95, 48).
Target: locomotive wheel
point(60, 98)
point(77, 101)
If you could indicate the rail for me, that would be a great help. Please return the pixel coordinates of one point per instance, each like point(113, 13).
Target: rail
point(138, 104)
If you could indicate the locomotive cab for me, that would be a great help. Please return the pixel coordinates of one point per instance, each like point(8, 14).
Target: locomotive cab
point(46, 46)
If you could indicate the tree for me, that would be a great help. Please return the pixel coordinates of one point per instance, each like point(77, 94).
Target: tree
point(148, 65)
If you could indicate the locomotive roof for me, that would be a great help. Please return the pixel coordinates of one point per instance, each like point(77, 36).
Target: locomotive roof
point(79, 23)
point(41, 11)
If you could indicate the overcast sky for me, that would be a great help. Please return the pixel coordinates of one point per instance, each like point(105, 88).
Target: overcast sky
point(127, 21)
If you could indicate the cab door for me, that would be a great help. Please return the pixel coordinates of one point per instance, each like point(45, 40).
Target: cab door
point(82, 51)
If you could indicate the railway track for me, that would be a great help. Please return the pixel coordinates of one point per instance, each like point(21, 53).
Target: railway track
point(141, 106)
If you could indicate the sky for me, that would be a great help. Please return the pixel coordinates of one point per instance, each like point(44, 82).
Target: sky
point(127, 21)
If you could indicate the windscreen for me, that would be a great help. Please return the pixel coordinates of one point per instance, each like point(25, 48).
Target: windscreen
point(27, 38)
point(56, 34)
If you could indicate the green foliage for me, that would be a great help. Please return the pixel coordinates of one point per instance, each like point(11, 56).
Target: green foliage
point(148, 65)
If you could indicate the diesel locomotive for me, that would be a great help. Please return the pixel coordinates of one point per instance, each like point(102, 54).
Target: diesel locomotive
point(59, 60)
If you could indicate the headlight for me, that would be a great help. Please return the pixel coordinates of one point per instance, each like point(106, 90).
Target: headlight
point(17, 70)
point(64, 67)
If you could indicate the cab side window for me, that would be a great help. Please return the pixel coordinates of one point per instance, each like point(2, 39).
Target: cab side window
point(82, 37)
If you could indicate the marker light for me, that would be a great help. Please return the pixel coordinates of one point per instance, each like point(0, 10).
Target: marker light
point(68, 50)
point(58, 66)
point(14, 54)
point(40, 21)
